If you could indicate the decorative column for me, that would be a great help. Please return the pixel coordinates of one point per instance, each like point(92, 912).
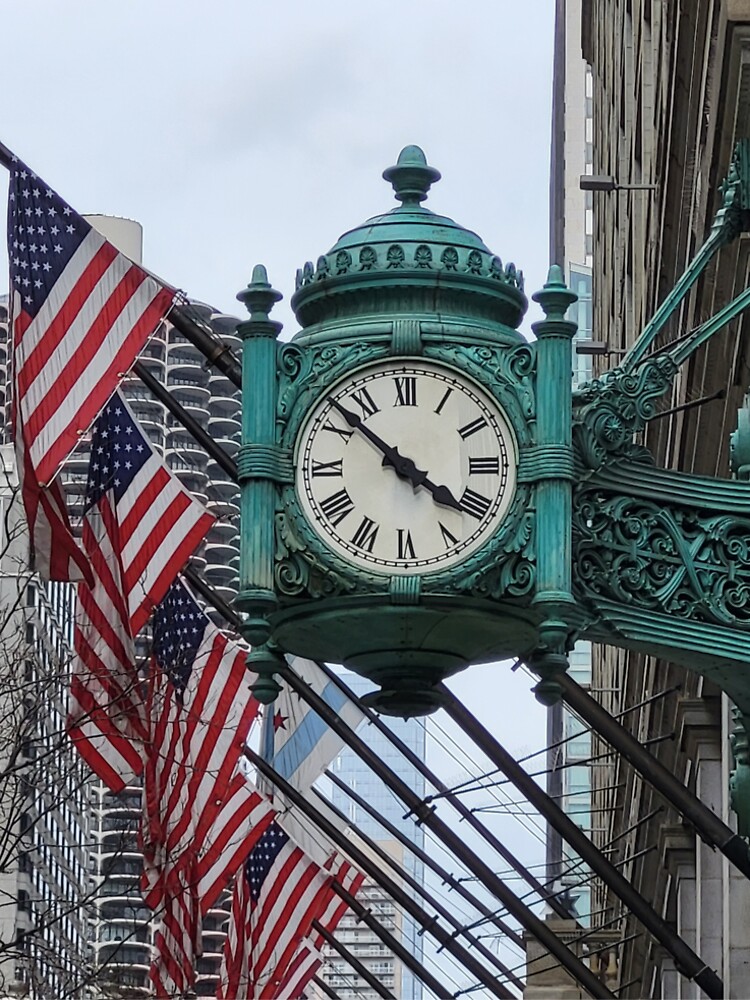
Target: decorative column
point(260, 466)
point(551, 467)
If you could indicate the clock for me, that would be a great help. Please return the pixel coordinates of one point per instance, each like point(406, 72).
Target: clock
point(405, 466)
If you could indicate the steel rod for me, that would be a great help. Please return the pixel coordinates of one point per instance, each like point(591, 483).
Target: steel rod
point(418, 887)
point(688, 962)
point(362, 971)
point(366, 864)
point(401, 952)
point(525, 916)
point(444, 875)
point(707, 824)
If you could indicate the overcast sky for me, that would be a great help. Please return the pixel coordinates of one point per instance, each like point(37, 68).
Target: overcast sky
point(244, 132)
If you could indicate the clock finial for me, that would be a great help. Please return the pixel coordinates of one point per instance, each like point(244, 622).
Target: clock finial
point(412, 176)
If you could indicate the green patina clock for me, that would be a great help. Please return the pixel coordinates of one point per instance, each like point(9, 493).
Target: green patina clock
point(421, 489)
point(392, 455)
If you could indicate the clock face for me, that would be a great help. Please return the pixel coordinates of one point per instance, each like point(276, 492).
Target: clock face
point(405, 467)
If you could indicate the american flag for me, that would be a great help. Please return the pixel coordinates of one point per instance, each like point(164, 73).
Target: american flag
point(271, 951)
point(81, 312)
point(177, 942)
point(203, 814)
point(309, 957)
point(140, 526)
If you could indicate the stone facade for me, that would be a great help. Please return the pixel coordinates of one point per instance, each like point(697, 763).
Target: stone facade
point(671, 95)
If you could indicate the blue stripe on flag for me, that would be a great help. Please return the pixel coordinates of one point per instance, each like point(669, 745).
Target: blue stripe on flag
point(306, 736)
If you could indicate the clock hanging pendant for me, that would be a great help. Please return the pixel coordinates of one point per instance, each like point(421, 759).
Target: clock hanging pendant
point(406, 467)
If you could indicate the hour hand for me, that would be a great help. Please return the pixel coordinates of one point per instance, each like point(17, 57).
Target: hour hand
point(441, 494)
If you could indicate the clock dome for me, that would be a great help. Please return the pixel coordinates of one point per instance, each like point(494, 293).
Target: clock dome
point(411, 261)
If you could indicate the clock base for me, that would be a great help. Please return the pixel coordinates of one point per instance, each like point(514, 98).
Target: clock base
point(405, 650)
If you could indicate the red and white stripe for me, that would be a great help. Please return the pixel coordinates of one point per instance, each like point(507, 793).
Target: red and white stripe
point(135, 549)
point(242, 820)
point(178, 941)
point(271, 949)
point(197, 740)
point(71, 356)
point(310, 956)
point(160, 525)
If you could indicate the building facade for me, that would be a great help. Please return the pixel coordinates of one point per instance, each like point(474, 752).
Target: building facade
point(45, 883)
point(671, 96)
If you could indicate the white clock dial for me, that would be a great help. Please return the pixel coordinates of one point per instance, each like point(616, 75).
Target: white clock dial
point(406, 467)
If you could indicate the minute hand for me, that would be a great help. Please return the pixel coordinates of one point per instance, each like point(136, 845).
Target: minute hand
point(404, 467)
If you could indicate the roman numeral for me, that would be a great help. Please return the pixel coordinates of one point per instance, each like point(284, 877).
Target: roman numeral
point(328, 468)
point(474, 504)
point(448, 538)
point(443, 401)
point(406, 390)
point(472, 428)
point(365, 402)
point(365, 535)
point(405, 545)
point(342, 433)
point(484, 466)
point(337, 506)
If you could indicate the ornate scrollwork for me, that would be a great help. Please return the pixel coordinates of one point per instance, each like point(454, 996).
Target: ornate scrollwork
point(609, 410)
point(507, 373)
point(306, 370)
point(510, 572)
point(681, 560)
point(298, 570)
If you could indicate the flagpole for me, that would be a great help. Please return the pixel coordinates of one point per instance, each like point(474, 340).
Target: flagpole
point(6, 157)
point(709, 826)
point(425, 814)
point(362, 971)
point(414, 883)
point(466, 814)
point(688, 962)
point(210, 346)
point(402, 953)
point(329, 992)
point(443, 874)
point(366, 864)
point(190, 424)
